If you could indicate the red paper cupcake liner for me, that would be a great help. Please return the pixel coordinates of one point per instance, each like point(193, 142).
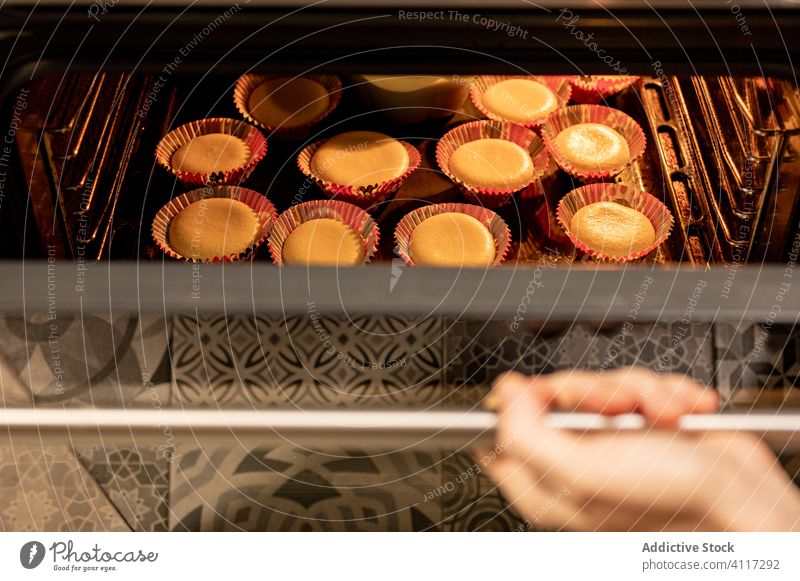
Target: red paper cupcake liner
point(593, 89)
point(549, 226)
point(658, 214)
point(545, 183)
point(559, 85)
point(176, 138)
point(265, 215)
point(353, 216)
point(495, 224)
point(248, 83)
point(614, 118)
point(366, 197)
point(474, 130)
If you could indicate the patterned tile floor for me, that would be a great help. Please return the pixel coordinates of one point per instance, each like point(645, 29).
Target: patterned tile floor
point(289, 489)
point(306, 361)
point(121, 363)
point(758, 363)
point(313, 362)
point(478, 352)
point(49, 490)
point(135, 481)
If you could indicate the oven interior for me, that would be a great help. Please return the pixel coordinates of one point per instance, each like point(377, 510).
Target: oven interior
point(722, 153)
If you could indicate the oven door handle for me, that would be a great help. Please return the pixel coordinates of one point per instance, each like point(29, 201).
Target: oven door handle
point(169, 428)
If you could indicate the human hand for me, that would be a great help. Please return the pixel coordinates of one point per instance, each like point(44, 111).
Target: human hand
point(655, 479)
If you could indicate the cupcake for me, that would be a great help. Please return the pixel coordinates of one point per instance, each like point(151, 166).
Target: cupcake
point(412, 99)
point(491, 160)
point(452, 235)
point(287, 107)
point(522, 100)
point(362, 167)
point(212, 151)
point(215, 224)
point(592, 142)
point(323, 232)
point(614, 222)
point(595, 88)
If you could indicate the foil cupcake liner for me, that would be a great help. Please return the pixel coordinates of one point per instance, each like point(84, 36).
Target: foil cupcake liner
point(559, 85)
point(182, 135)
point(575, 114)
point(353, 216)
point(658, 214)
point(474, 130)
point(496, 225)
point(365, 197)
point(547, 181)
point(265, 215)
point(594, 89)
point(248, 83)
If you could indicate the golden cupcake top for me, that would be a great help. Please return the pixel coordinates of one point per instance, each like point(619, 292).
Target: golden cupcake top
point(592, 147)
point(360, 158)
point(324, 241)
point(492, 163)
point(213, 228)
point(210, 153)
point(612, 229)
point(452, 239)
point(287, 102)
point(595, 78)
point(520, 100)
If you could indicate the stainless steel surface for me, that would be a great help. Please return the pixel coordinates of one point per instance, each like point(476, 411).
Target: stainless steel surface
point(322, 429)
point(578, 293)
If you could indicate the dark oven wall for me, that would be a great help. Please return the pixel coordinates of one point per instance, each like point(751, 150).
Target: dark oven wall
point(419, 37)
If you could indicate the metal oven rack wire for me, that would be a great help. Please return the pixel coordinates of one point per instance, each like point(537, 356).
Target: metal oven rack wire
point(723, 169)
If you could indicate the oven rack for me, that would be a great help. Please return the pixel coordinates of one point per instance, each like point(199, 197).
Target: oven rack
point(723, 173)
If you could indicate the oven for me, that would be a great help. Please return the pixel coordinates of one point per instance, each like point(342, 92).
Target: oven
point(194, 396)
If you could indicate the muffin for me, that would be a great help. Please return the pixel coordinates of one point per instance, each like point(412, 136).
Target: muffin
point(614, 222)
point(490, 160)
point(286, 102)
point(525, 101)
point(213, 227)
point(213, 224)
point(361, 167)
point(213, 152)
point(592, 147)
point(286, 106)
point(520, 100)
point(492, 163)
point(452, 235)
point(593, 142)
point(360, 158)
point(594, 88)
point(452, 239)
point(613, 229)
point(324, 241)
point(411, 99)
point(324, 232)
